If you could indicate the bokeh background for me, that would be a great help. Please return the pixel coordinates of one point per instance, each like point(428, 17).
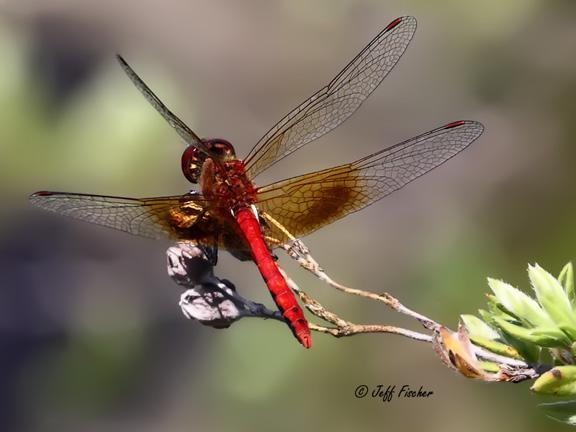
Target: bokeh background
point(91, 336)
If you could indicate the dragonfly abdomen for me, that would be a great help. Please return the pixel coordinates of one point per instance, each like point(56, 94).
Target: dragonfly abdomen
point(281, 293)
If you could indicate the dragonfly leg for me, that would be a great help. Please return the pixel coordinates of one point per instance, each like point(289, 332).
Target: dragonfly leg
point(211, 253)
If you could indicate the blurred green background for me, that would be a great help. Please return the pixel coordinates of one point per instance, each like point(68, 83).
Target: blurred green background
point(91, 335)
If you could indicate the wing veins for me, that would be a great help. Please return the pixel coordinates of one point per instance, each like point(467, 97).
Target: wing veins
point(279, 142)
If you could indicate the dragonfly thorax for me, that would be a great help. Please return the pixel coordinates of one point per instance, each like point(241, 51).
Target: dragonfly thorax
point(226, 184)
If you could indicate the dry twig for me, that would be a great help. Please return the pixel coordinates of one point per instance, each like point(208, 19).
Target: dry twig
point(215, 302)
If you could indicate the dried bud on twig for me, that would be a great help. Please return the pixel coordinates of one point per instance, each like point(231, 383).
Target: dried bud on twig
point(208, 299)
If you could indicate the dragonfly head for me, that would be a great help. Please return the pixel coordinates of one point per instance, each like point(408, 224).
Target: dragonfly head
point(193, 159)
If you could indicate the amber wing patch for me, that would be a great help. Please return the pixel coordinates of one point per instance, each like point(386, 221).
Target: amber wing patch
point(305, 203)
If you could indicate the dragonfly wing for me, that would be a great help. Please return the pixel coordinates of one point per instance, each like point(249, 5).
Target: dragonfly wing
point(305, 203)
point(178, 125)
point(147, 217)
point(334, 103)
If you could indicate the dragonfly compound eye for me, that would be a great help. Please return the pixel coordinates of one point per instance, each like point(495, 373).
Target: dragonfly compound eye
point(221, 148)
point(192, 160)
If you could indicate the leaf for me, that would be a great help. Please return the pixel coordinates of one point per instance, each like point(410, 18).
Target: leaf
point(476, 327)
point(553, 298)
point(485, 315)
point(489, 366)
point(566, 278)
point(497, 347)
point(543, 336)
point(559, 381)
point(526, 350)
point(496, 309)
point(529, 351)
point(485, 336)
point(564, 411)
point(521, 305)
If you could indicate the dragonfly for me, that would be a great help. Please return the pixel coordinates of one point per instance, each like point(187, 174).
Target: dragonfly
point(228, 211)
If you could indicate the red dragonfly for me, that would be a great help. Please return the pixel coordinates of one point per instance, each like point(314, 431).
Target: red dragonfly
point(230, 212)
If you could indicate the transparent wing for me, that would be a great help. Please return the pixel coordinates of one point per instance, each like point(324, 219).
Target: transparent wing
point(305, 203)
point(337, 101)
point(146, 217)
point(178, 125)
